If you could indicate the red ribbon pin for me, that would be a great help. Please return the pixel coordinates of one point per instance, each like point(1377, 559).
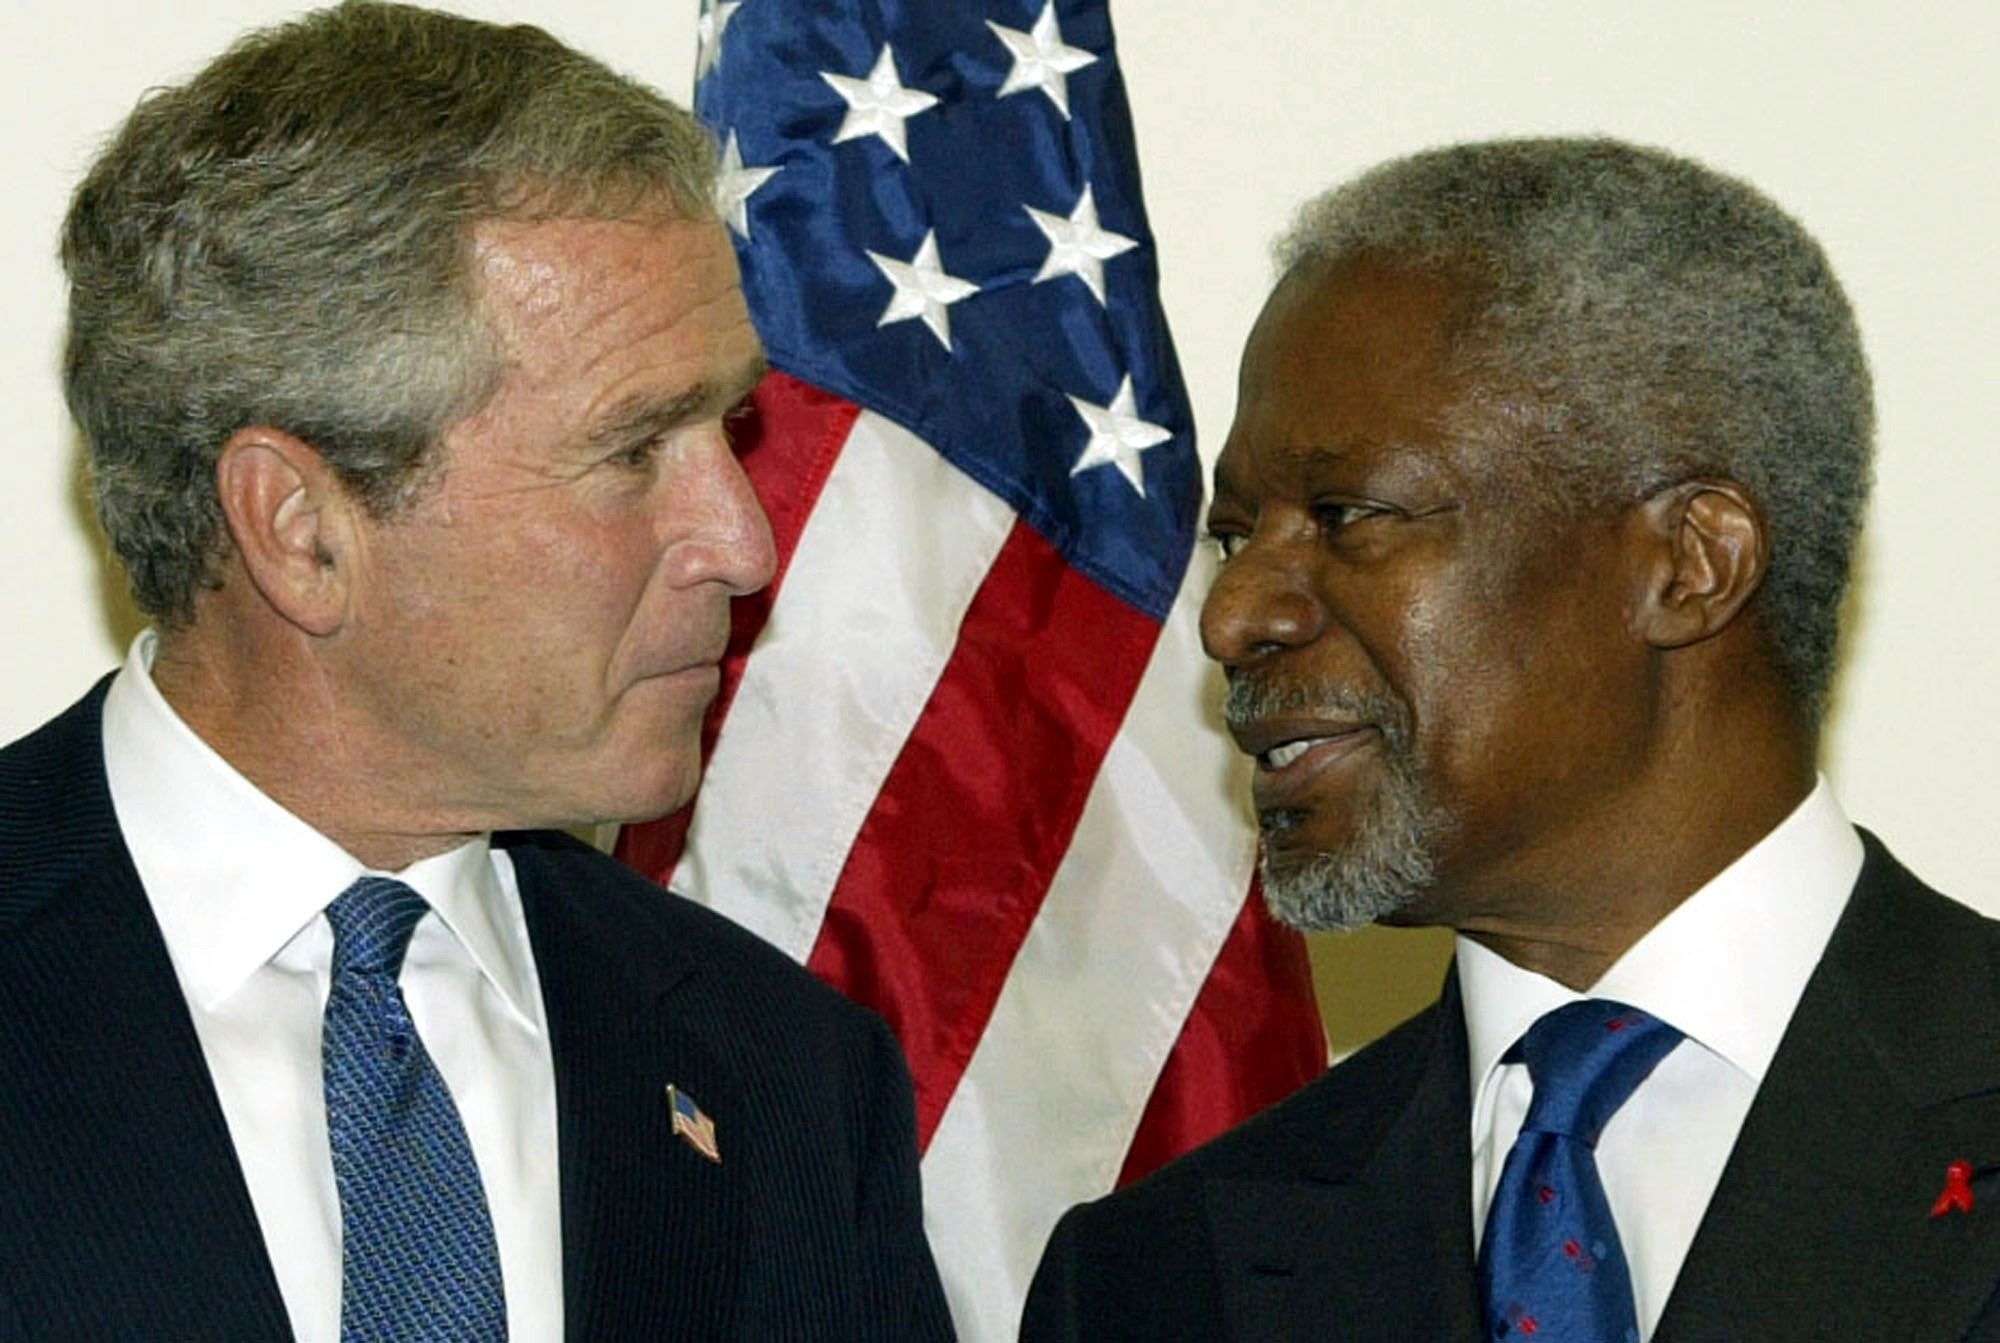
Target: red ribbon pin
point(1957, 1189)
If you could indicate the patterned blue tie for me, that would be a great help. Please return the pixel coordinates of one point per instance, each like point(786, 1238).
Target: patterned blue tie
point(1550, 1265)
point(418, 1260)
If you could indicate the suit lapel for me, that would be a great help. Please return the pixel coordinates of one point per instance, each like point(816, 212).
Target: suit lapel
point(1889, 1071)
point(113, 1148)
point(1371, 1235)
point(651, 1227)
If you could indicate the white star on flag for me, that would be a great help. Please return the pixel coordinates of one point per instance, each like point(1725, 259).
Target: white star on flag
point(878, 105)
point(1118, 436)
point(924, 290)
point(1041, 59)
point(735, 184)
point(1079, 245)
point(708, 30)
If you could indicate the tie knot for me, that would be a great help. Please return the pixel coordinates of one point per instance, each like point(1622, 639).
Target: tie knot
point(1587, 1059)
point(372, 922)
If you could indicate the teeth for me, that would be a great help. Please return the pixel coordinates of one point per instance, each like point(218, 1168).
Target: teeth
point(1280, 756)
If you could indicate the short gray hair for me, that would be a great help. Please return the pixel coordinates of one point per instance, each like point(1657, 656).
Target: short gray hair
point(285, 240)
point(1661, 321)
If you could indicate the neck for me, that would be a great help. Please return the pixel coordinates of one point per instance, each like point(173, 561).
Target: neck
point(1720, 788)
point(266, 709)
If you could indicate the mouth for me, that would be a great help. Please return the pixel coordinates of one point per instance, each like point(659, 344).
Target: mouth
point(1310, 752)
point(683, 670)
point(1280, 743)
point(702, 659)
point(1289, 753)
point(682, 679)
point(1310, 743)
point(1297, 757)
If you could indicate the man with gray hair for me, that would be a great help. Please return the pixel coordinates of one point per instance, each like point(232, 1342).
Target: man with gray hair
point(403, 347)
point(1537, 516)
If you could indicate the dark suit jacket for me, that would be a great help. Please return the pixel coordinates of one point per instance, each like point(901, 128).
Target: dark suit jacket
point(1345, 1212)
point(123, 1212)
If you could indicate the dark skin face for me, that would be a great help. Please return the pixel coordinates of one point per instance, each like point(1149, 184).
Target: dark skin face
point(1382, 540)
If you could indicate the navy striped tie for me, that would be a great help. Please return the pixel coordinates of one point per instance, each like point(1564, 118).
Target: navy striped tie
point(418, 1258)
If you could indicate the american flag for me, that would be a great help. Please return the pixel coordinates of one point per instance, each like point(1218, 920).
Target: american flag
point(965, 764)
point(692, 1124)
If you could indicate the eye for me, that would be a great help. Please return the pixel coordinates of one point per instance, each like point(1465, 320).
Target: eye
point(1333, 518)
point(1227, 545)
point(638, 456)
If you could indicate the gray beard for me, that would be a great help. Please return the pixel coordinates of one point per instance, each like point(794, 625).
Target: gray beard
point(1392, 857)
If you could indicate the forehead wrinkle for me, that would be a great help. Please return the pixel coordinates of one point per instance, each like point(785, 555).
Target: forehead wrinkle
point(561, 272)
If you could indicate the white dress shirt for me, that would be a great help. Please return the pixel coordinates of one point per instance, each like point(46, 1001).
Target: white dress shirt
point(1726, 968)
point(238, 886)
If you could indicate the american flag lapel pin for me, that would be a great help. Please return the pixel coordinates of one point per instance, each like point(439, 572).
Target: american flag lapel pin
point(692, 1126)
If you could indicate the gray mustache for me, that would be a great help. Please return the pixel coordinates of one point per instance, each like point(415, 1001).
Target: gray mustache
point(1251, 698)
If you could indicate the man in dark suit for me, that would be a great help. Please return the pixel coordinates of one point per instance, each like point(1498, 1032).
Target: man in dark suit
point(1537, 516)
point(403, 346)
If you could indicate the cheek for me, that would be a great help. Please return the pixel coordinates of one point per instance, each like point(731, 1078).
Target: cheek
point(1470, 678)
point(1520, 704)
point(1429, 652)
point(572, 573)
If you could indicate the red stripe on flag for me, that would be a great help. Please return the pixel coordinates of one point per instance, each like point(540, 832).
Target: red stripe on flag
point(951, 866)
point(789, 437)
point(1253, 1038)
point(788, 440)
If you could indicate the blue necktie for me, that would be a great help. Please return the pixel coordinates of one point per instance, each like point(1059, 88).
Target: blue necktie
point(418, 1259)
point(1550, 1265)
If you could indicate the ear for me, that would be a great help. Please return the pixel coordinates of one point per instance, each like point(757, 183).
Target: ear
point(291, 521)
point(1711, 548)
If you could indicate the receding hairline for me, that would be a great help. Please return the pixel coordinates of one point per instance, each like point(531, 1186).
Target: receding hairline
point(1473, 349)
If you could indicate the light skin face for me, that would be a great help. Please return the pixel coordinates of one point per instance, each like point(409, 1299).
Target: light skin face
point(533, 639)
point(1377, 548)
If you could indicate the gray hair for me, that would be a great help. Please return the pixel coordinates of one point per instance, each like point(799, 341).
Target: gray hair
point(1661, 322)
point(285, 240)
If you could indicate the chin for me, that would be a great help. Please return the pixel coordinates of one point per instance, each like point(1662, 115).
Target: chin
point(633, 801)
point(1333, 893)
point(648, 799)
point(1375, 871)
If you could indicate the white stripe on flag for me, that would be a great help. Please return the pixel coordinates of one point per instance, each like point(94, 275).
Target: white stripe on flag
point(867, 616)
point(1152, 882)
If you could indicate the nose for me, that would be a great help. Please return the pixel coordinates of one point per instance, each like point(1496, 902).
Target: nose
point(724, 536)
point(1261, 603)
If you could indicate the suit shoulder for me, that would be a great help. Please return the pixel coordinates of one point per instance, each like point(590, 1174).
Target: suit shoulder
point(1917, 964)
point(55, 805)
point(1342, 1111)
point(1883, 866)
point(36, 769)
point(1909, 931)
point(1139, 1262)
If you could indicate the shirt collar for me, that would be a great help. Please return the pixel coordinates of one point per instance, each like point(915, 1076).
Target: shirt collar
point(1726, 967)
point(234, 878)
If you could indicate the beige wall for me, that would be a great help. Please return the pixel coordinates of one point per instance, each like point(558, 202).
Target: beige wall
point(1874, 120)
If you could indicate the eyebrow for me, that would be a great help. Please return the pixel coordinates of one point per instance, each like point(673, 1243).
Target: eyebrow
point(1292, 457)
point(642, 415)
